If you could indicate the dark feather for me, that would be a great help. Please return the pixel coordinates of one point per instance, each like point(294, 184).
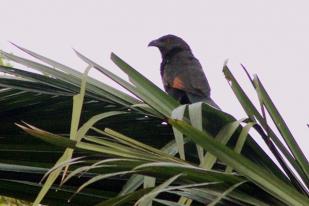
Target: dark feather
point(182, 74)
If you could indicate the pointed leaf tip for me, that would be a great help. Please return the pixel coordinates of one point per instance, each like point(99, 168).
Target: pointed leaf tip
point(76, 52)
point(225, 62)
point(19, 47)
point(114, 56)
point(20, 126)
point(12, 43)
point(247, 73)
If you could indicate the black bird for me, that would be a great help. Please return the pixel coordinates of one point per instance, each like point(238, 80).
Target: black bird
point(182, 74)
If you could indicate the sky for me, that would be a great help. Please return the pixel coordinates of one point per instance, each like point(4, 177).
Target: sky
point(271, 38)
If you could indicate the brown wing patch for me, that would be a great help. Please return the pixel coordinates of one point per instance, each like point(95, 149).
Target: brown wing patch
point(178, 83)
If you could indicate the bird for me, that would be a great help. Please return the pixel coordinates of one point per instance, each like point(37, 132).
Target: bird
point(182, 74)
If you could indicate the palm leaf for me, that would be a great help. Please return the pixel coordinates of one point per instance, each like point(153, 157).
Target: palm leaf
point(130, 143)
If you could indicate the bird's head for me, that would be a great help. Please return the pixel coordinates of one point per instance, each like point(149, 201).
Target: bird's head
point(169, 43)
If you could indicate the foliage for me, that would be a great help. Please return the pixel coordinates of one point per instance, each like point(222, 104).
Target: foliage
point(12, 202)
point(116, 149)
point(3, 62)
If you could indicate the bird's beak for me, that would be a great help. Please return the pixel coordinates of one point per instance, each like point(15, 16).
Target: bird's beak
point(155, 43)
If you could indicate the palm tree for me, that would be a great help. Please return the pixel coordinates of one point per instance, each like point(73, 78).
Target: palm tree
point(91, 144)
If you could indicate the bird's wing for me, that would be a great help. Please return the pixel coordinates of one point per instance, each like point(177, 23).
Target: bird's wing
point(190, 78)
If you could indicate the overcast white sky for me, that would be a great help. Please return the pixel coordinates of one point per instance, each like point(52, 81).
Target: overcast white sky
point(270, 37)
